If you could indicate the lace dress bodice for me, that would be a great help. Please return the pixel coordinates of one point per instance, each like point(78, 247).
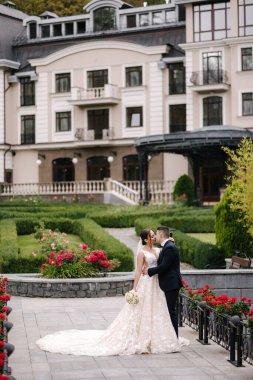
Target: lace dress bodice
point(151, 258)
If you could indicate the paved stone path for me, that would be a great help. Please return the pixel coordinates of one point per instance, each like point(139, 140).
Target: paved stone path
point(34, 318)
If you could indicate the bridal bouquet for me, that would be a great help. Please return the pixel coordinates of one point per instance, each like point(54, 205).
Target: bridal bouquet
point(132, 297)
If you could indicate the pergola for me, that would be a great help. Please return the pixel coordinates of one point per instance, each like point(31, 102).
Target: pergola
point(199, 144)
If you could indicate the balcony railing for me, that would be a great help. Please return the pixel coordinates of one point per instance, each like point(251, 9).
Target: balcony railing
point(109, 94)
point(210, 77)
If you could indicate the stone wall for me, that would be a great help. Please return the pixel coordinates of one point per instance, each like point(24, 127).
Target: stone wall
point(232, 282)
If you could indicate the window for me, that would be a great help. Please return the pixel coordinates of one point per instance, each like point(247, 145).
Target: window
point(81, 27)
point(57, 31)
point(247, 103)
point(27, 92)
point(63, 121)
point(98, 120)
point(63, 170)
point(157, 18)
point(104, 19)
point(212, 68)
point(170, 16)
point(45, 31)
point(246, 59)
point(134, 76)
point(33, 30)
point(177, 118)
point(212, 111)
point(69, 28)
point(131, 168)
point(131, 21)
point(62, 82)
point(134, 117)
point(97, 78)
point(211, 21)
point(98, 168)
point(176, 78)
point(245, 8)
point(28, 129)
point(144, 19)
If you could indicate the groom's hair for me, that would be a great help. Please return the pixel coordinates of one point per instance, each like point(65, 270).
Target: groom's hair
point(165, 230)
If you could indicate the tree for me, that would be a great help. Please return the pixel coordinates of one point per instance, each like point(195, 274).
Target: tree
point(64, 7)
point(240, 188)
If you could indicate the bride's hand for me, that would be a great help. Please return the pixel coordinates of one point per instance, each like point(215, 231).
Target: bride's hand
point(144, 271)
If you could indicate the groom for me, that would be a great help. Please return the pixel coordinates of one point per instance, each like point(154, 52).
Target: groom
point(168, 270)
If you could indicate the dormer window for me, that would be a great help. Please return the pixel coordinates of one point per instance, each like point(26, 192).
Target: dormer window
point(104, 19)
point(32, 30)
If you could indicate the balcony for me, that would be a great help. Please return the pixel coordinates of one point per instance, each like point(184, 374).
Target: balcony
point(215, 81)
point(82, 134)
point(107, 95)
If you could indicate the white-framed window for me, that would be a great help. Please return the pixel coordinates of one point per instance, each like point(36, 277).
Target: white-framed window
point(133, 76)
point(246, 58)
point(134, 117)
point(62, 82)
point(247, 104)
point(63, 121)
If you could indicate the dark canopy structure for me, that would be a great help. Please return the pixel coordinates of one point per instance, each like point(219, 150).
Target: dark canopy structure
point(203, 147)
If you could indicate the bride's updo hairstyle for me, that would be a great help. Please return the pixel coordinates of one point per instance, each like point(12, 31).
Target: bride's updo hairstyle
point(145, 235)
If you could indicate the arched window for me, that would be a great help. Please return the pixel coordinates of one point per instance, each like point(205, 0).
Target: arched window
point(212, 111)
point(98, 168)
point(104, 19)
point(131, 168)
point(63, 170)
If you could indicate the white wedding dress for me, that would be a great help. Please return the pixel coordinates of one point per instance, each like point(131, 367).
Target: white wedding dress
point(142, 328)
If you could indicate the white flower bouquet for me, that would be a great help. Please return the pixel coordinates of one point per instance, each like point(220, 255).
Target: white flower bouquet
point(132, 297)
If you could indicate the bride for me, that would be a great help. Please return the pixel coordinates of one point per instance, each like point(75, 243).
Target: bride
point(141, 328)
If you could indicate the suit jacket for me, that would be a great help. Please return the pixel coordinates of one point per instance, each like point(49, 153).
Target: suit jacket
point(168, 268)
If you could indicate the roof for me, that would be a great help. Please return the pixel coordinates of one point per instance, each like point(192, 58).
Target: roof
point(12, 12)
point(194, 142)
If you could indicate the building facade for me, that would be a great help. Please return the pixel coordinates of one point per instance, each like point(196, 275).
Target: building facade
point(78, 91)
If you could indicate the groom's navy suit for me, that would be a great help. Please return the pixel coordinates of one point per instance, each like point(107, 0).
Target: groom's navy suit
point(169, 277)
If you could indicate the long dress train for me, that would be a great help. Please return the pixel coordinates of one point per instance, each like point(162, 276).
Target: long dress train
point(142, 328)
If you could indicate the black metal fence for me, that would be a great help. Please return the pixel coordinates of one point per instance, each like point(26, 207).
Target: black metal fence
point(231, 333)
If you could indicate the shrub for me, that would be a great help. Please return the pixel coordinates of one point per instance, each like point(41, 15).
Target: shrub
point(183, 192)
point(8, 242)
point(189, 223)
point(231, 232)
point(95, 236)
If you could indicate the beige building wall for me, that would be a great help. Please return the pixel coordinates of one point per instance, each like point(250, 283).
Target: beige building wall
point(25, 169)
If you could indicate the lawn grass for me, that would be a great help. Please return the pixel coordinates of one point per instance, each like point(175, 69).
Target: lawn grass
point(28, 244)
point(205, 237)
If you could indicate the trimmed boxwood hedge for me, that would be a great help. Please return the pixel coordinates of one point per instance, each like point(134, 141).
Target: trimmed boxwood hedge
point(97, 238)
point(192, 251)
point(8, 242)
point(190, 223)
point(91, 233)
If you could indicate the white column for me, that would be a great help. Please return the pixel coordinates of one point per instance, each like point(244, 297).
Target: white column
point(42, 103)
point(2, 111)
point(156, 100)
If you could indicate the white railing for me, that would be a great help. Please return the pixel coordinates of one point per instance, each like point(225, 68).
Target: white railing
point(84, 187)
point(123, 190)
point(159, 191)
point(108, 91)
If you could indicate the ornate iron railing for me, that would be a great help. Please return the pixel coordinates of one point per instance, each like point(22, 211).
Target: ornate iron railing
point(231, 333)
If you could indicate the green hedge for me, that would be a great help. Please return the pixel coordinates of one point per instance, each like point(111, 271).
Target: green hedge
point(8, 242)
point(97, 238)
point(192, 251)
point(26, 226)
point(189, 223)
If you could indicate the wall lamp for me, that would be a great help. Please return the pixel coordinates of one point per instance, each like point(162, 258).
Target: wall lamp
point(40, 158)
point(75, 158)
point(111, 156)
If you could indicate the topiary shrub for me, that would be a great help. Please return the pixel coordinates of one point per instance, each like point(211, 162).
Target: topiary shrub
point(184, 190)
point(231, 232)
